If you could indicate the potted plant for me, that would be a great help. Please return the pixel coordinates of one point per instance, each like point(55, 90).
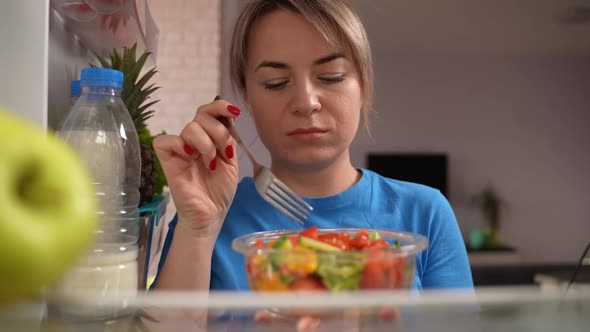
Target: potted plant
point(490, 205)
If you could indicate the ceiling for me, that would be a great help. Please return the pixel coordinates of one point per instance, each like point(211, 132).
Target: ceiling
point(477, 26)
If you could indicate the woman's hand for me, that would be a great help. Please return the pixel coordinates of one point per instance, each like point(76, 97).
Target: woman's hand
point(201, 168)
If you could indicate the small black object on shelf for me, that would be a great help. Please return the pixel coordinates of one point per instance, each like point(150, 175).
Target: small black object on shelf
point(499, 248)
point(429, 169)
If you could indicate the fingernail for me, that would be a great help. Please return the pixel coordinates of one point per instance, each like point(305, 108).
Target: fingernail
point(229, 151)
point(213, 164)
point(233, 110)
point(188, 150)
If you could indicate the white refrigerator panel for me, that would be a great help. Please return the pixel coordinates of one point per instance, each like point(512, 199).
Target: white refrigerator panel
point(24, 31)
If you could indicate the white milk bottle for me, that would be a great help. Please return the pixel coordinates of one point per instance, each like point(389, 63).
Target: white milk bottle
point(101, 131)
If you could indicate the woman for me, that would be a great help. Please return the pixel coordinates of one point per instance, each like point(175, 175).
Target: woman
point(304, 69)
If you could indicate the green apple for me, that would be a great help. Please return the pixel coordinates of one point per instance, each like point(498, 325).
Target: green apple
point(47, 208)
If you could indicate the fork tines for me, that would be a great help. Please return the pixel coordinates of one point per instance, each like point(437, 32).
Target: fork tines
point(288, 201)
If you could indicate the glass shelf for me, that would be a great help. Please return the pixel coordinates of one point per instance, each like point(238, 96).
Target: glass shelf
point(488, 309)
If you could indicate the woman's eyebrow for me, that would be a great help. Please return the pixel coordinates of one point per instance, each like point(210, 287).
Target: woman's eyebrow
point(282, 65)
point(328, 58)
point(272, 64)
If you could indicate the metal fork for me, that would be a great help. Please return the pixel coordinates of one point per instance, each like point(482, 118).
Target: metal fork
point(273, 190)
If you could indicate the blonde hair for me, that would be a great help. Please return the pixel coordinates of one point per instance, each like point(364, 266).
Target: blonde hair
point(334, 19)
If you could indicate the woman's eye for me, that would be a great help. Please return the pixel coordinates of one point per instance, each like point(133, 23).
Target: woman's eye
point(332, 79)
point(275, 85)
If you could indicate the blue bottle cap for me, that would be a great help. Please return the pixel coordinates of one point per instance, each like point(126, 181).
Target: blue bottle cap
point(75, 89)
point(101, 76)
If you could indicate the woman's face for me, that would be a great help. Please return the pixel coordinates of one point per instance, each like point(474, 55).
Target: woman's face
point(305, 95)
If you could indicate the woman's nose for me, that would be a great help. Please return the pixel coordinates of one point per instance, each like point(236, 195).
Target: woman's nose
point(305, 99)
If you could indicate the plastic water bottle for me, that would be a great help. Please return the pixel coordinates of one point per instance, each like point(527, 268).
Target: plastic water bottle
point(101, 131)
point(75, 92)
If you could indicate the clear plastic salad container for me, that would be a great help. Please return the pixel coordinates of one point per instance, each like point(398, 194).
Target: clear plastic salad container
point(335, 259)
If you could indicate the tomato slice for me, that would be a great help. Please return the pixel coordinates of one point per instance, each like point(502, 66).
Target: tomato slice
point(345, 236)
point(396, 273)
point(362, 232)
point(307, 284)
point(328, 236)
point(311, 232)
point(294, 240)
point(382, 271)
point(372, 277)
point(249, 267)
point(360, 239)
point(259, 244)
point(335, 239)
point(378, 244)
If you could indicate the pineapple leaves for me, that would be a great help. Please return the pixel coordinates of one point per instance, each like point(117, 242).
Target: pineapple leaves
point(146, 106)
point(132, 93)
point(151, 89)
point(142, 81)
point(128, 62)
point(103, 62)
point(134, 71)
point(115, 60)
point(140, 115)
point(137, 97)
point(146, 116)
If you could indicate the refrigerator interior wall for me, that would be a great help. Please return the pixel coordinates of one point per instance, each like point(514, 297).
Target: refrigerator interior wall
point(23, 58)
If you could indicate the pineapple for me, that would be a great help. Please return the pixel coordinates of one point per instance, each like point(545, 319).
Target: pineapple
point(135, 95)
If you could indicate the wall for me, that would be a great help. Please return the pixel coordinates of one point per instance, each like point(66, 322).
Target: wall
point(188, 60)
point(519, 123)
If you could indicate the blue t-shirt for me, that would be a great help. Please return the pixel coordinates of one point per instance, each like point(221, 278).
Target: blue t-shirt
point(373, 202)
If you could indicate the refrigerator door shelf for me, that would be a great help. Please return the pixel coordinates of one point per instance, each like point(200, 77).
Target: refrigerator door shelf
point(101, 25)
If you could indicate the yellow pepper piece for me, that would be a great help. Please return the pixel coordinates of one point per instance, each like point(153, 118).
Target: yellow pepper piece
point(301, 261)
point(269, 282)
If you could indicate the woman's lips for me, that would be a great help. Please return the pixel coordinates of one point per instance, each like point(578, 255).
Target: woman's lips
point(307, 133)
point(299, 131)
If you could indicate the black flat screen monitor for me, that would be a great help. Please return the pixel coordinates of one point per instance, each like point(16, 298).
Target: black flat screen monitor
point(427, 169)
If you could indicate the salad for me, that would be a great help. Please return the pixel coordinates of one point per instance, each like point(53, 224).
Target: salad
point(335, 261)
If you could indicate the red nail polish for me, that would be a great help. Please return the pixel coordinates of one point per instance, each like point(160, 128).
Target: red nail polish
point(229, 151)
point(213, 164)
point(233, 110)
point(188, 150)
